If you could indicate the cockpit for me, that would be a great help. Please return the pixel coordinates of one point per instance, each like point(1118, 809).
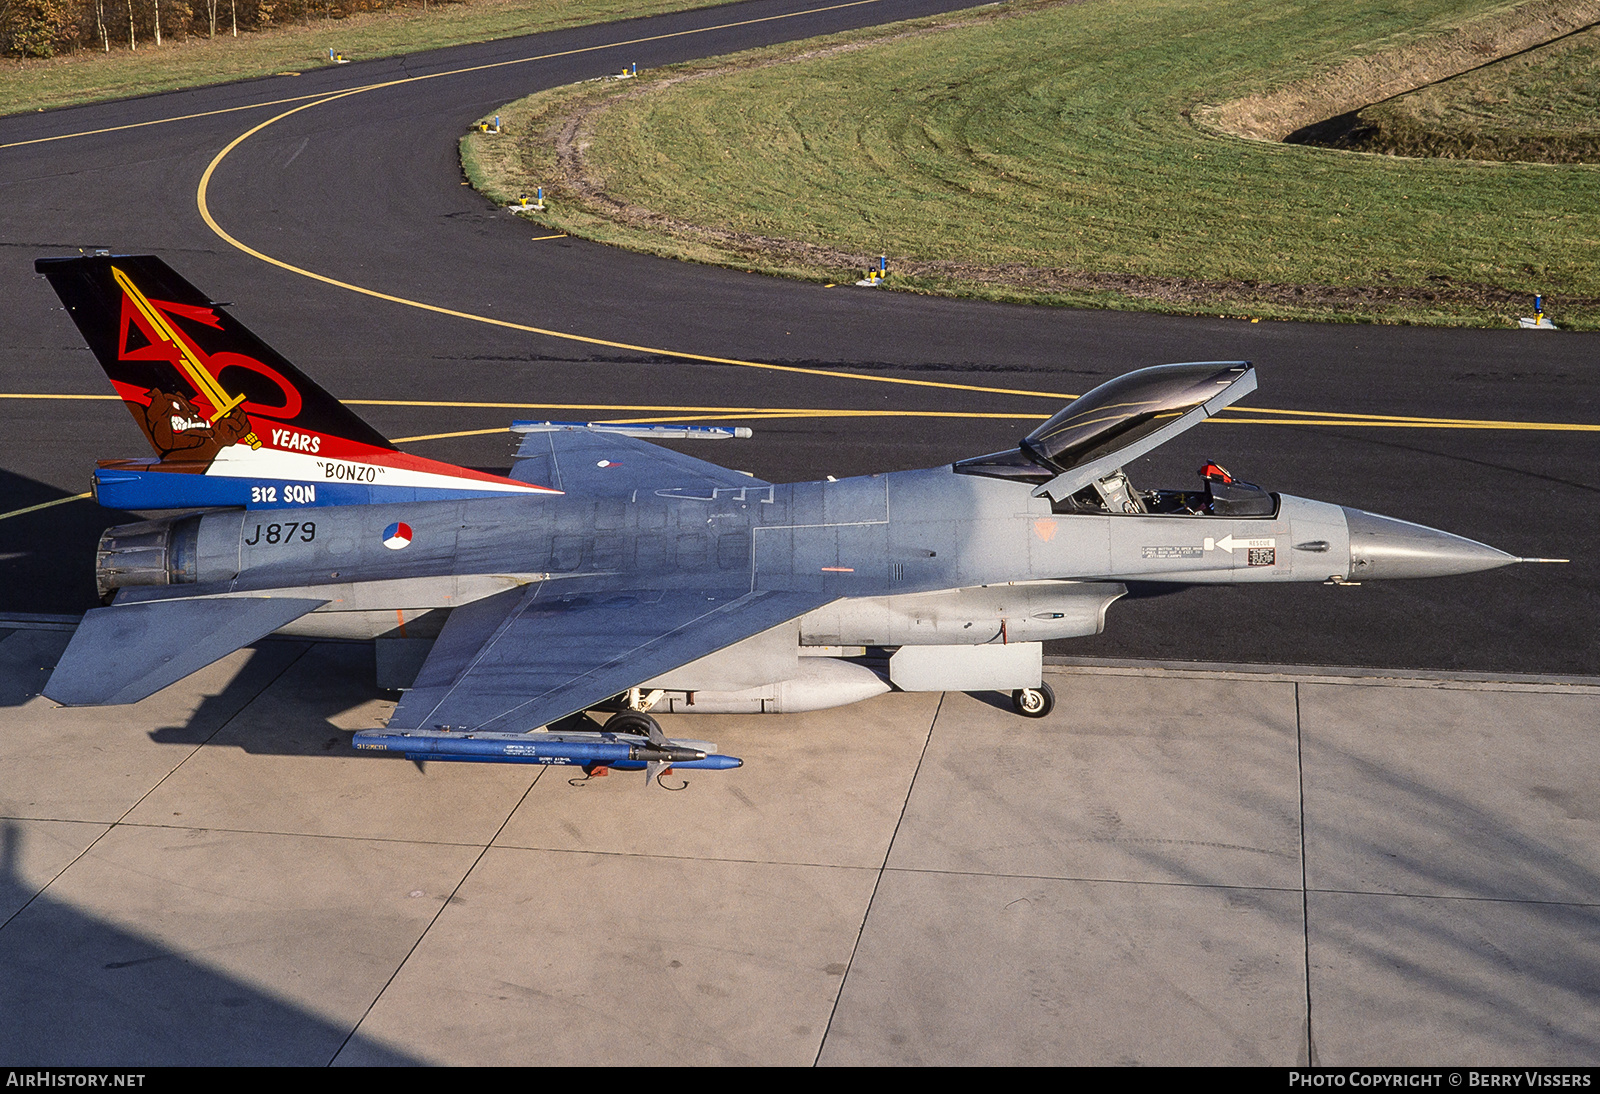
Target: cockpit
point(1221, 495)
point(1076, 458)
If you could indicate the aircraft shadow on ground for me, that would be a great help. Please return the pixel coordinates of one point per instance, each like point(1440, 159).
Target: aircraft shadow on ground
point(47, 556)
point(78, 991)
point(28, 654)
point(336, 677)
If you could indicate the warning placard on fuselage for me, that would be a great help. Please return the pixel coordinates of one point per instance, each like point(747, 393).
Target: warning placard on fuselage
point(1172, 552)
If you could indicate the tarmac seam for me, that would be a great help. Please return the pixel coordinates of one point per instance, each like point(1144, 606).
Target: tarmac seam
point(455, 843)
point(1076, 880)
point(866, 914)
point(1305, 896)
point(443, 904)
point(691, 858)
point(1241, 886)
point(112, 826)
point(1458, 896)
point(267, 832)
point(1437, 679)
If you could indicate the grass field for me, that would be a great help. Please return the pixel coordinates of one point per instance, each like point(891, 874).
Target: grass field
point(1049, 153)
point(194, 62)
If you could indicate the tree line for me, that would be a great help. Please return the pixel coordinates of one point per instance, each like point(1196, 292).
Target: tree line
point(45, 28)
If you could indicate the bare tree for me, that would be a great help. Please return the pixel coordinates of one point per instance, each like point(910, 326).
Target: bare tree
point(133, 43)
point(100, 24)
point(158, 21)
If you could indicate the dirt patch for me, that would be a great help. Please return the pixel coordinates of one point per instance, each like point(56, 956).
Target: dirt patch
point(1365, 131)
point(1540, 106)
point(1365, 80)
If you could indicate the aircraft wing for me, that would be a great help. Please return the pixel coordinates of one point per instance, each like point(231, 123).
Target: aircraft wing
point(525, 657)
point(601, 462)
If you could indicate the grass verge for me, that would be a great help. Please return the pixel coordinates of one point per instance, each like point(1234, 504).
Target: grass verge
point(194, 62)
point(1047, 152)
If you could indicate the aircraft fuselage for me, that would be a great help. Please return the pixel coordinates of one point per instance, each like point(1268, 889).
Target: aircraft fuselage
point(877, 538)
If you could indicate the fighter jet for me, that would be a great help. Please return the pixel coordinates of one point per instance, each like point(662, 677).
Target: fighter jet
point(605, 574)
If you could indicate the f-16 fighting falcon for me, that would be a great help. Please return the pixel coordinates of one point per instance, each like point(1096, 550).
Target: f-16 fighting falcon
point(608, 574)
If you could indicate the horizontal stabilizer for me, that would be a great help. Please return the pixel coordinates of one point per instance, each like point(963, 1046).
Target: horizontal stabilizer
point(125, 652)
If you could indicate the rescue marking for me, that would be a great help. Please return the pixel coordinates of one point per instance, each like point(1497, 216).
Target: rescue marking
point(1228, 543)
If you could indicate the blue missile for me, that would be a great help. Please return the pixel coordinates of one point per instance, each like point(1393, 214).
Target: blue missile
point(710, 763)
point(624, 751)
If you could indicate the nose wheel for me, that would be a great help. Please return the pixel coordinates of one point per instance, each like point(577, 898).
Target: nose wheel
point(1033, 702)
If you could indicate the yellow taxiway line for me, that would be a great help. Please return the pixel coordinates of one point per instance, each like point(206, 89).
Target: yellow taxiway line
point(45, 505)
point(1284, 417)
point(658, 413)
point(1270, 416)
point(437, 75)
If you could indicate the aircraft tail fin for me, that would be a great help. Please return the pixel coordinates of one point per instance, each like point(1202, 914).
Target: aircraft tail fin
point(231, 421)
point(195, 378)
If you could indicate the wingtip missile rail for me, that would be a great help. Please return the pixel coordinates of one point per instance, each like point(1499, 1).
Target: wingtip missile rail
point(648, 431)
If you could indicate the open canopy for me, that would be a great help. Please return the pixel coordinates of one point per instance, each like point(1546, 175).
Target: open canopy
point(1117, 422)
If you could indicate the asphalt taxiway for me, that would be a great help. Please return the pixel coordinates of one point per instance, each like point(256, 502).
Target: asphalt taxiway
point(362, 188)
point(1185, 863)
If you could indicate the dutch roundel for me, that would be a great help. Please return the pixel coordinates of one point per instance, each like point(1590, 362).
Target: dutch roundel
point(397, 535)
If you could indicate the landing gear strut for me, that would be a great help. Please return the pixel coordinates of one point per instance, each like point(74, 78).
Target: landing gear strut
point(1028, 702)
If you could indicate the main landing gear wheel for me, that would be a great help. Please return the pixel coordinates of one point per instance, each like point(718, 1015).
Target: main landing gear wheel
point(633, 721)
point(1028, 702)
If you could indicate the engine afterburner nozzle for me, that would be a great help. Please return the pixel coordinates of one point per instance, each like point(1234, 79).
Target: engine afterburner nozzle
point(1383, 547)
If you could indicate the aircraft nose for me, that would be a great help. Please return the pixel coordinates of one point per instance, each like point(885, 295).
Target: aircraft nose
point(1384, 547)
